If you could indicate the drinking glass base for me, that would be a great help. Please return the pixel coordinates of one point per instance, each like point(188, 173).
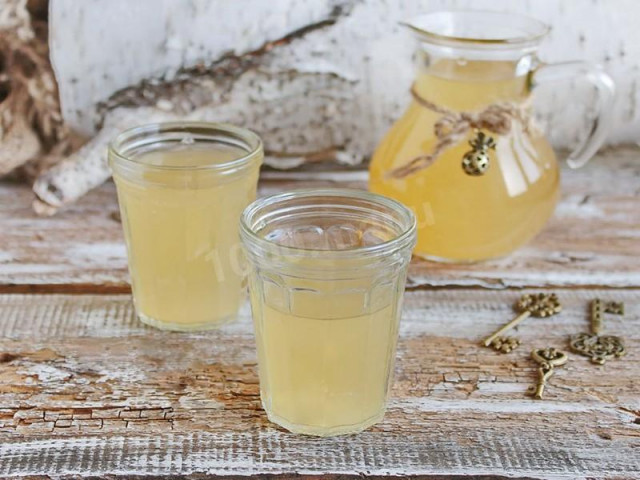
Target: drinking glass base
point(186, 327)
point(318, 431)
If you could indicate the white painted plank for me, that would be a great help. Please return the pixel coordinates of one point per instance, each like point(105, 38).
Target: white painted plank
point(435, 453)
point(593, 239)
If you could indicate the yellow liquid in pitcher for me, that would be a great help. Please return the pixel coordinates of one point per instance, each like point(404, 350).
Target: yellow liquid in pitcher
point(321, 372)
point(181, 232)
point(460, 217)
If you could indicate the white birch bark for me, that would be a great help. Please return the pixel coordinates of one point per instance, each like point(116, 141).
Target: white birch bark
point(101, 46)
point(315, 78)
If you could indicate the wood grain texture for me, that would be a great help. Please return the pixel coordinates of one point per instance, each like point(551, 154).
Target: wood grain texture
point(593, 239)
point(87, 390)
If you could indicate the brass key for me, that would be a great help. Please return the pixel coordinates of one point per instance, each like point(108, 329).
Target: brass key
point(549, 359)
point(599, 348)
point(537, 305)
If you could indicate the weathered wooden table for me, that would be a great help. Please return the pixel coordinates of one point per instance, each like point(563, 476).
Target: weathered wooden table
point(86, 390)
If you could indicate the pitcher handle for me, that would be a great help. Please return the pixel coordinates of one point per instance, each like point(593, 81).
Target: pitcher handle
point(605, 92)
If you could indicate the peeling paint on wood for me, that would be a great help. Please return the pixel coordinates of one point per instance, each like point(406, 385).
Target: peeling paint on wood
point(88, 390)
point(593, 239)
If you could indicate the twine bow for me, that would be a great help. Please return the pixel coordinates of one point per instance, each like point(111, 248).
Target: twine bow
point(453, 126)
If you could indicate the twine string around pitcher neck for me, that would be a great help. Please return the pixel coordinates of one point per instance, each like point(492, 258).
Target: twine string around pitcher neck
point(452, 126)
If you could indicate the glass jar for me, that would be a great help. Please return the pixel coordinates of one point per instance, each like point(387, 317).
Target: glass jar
point(181, 189)
point(466, 156)
point(327, 275)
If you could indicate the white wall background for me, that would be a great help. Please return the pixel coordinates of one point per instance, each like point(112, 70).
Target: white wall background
point(101, 46)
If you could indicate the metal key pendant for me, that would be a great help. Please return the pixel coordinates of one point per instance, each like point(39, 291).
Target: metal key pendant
point(549, 359)
point(599, 348)
point(537, 305)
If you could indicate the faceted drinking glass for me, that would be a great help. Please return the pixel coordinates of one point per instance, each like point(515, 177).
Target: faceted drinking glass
point(327, 276)
point(182, 188)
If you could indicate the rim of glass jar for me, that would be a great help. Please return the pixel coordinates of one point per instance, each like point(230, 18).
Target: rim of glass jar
point(532, 39)
point(152, 133)
point(406, 238)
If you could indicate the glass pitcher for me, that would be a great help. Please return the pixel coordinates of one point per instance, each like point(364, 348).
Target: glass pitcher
point(467, 156)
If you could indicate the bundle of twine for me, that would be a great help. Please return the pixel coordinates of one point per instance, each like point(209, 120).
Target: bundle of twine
point(453, 126)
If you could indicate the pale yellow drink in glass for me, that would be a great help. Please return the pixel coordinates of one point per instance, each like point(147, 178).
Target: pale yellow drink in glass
point(180, 208)
point(328, 374)
point(328, 274)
